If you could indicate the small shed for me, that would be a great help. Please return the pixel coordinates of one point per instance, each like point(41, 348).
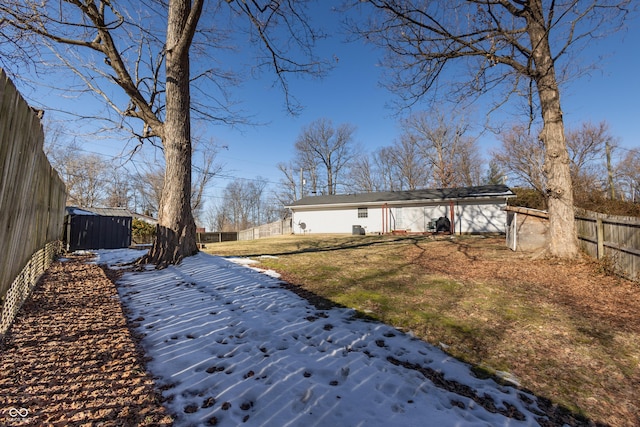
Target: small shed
point(527, 229)
point(97, 228)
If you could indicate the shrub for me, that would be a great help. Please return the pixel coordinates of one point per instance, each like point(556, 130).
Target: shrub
point(142, 231)
point(528, 198)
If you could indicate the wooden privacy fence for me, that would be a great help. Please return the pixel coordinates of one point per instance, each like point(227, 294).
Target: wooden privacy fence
point(277, 228)
point(612, 238)
point(32, 202)
point(216, 237)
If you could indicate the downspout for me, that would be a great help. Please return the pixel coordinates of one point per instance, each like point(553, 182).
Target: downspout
point(453, 220)
point(515, 231)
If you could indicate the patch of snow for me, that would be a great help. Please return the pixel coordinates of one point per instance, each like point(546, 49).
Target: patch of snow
point(83, 252)
point(116, 258)
point(509, 377)
point(232, 347)
point(243, 261)
point(78, 211)
point(250, 262)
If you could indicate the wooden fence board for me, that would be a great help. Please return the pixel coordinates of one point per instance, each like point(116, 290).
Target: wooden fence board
point(277, 228)
point(614, 238)
point(32, 200)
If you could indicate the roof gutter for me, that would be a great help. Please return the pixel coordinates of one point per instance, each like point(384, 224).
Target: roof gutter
point(399, 202)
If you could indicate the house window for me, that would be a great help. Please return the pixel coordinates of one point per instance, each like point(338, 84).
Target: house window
point(363, 213)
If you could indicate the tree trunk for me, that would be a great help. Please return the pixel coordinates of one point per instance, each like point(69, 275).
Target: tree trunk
point(562, 228)
point(330, 189)
point(176, 230)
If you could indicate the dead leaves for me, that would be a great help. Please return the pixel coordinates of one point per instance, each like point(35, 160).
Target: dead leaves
point(70, 359)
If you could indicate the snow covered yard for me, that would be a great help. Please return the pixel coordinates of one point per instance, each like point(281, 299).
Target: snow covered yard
point(229, 346)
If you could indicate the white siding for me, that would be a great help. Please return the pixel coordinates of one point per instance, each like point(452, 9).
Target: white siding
point(336, 220)
point(416, 218)
point(485, 217)
point(470, 217)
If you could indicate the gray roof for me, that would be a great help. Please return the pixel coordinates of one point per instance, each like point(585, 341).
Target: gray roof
point(73, 210)
point(396, 197)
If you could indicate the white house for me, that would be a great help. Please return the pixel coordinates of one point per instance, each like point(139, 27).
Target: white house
point(469, 210)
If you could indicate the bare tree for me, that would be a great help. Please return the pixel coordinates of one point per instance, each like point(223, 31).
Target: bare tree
point(409, 162)
point(243, 205)
point(442, 141)
point(84, 174)
point(150, 175)
point(386, 169)
point(155, 74)
point(470, 162)
point(206, 168)
point(363, 177)
point(522, 156)
point(87, 176)
point(291, 184)
point(234, 208)
point(274, 210)
point(332, 148)
point(311, 172)
point(588, 145)
point(519, 46)
point(217, 218)
point(148, 185)
point(118, 189)
point(629, 175)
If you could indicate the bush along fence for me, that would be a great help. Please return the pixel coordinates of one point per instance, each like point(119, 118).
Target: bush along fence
point(277, 228)
point(32, 202)
point(615, 240)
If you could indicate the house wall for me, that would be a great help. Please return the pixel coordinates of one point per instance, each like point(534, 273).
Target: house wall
point(470, 217)
point(416, 218)
point(481, 217)
point(336, 220)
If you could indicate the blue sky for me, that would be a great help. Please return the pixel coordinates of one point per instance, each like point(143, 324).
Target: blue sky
point(351, 94)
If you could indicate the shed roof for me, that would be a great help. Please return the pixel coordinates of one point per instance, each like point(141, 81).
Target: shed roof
point(74, 210)
point(397, 197)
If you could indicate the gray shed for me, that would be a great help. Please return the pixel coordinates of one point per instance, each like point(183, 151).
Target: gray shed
point(97, 228)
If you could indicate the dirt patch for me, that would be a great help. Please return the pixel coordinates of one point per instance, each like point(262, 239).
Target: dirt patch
point(70, 360)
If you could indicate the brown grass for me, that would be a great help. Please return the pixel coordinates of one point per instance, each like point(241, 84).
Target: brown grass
point(564, 329)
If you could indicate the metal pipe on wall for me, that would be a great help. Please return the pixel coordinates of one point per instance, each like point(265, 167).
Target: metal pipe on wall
point(453, 220)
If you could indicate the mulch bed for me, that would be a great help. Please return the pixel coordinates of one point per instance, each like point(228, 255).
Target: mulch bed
point(70, 360)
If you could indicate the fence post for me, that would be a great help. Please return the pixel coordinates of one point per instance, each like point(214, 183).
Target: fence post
point(600, 237)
